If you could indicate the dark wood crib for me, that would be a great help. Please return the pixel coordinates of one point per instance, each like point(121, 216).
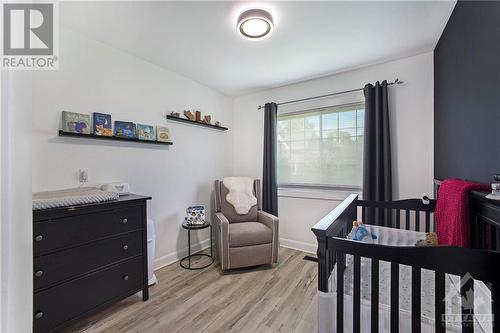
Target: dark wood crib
point(482, 261)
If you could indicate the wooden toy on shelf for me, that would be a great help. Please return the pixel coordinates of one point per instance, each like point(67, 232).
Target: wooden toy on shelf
point(189, 115)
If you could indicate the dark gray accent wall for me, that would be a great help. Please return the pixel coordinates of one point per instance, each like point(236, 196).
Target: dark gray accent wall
point(467, 93)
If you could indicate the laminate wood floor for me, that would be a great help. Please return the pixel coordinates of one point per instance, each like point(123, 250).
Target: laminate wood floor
point(279, 298)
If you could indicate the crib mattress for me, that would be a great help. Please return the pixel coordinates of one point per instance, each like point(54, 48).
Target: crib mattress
point(397, 237)
point(393, 237)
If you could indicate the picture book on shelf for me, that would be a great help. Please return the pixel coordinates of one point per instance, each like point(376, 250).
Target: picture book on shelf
point(125, 129)
point(162, 134)
point(102, 124)
point(146, 132)
point(75, 122)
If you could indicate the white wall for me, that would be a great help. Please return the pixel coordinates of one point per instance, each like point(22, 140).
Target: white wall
point(411, 112)
point(94, 77)
point(16, 227)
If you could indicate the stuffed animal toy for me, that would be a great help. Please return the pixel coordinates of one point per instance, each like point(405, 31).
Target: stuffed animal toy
point(430, 240)
point(361, 233)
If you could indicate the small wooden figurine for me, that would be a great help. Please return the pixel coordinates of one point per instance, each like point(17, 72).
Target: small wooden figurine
point(189, 115)
point(198, 115)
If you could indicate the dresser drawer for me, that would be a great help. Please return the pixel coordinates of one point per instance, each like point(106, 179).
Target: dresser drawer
point(63, 265)
point(70, 300)
point(79, 229)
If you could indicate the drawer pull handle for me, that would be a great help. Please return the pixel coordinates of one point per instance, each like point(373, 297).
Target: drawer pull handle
point(38, 238)
point(125, 247)
point(39, 273)
point(39, 315)
point(125, 220)
point(125, 277)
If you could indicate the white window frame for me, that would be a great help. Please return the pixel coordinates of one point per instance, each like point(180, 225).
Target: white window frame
point(297, 187)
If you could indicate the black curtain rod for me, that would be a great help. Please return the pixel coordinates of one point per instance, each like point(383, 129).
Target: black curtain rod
point(397, 81)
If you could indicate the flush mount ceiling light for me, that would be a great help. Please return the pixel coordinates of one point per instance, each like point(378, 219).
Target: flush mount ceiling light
point(255, 24)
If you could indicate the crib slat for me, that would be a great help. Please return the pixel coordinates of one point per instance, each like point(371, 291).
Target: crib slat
point(480, 234)
point(415, 299)
point(330, 257)
point(390, 217)
point(407, 219)
point(356, 313)
point(467, 293)
point(487, 237)
point(394, 297)
point(398, 218)
point(427, 222)
point(340, 292)
point(491, 233)
point(374, 305)
point(417, 220)
point(495, 302)
point(492, 239)
point(475, 232)
point(497, 237)
point(439, 302)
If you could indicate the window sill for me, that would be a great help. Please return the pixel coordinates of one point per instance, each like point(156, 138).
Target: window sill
point(315, 194)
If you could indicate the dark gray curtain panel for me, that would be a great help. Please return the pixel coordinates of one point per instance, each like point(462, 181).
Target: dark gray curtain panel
point(269, 182)
point(377, 171)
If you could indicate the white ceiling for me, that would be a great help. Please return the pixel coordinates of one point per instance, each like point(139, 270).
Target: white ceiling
point(310, 39)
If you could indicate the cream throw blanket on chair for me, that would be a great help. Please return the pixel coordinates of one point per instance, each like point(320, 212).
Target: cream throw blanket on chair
point(240, 193)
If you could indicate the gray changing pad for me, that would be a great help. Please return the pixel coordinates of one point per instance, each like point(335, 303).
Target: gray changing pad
point(71, 197)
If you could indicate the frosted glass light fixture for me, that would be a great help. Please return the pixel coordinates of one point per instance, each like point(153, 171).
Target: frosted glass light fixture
point(255, 24)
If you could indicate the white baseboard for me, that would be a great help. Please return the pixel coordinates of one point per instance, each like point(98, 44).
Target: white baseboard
point(176, 256)
point(297, 245)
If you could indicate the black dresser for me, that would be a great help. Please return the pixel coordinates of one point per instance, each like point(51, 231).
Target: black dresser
point(87, 257)
point(485, 221)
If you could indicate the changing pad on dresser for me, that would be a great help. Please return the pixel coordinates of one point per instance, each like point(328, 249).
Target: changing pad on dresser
point(71, 197)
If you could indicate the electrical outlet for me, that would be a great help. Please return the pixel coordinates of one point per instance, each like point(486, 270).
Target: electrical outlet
point(83, 175)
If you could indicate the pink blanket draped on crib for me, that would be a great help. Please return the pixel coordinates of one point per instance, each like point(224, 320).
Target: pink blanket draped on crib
point(452, 211)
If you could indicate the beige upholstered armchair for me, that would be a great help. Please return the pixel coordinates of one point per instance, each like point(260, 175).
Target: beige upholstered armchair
point(244, 240)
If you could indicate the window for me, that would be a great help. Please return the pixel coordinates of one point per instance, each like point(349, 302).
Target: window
point(321, 147)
